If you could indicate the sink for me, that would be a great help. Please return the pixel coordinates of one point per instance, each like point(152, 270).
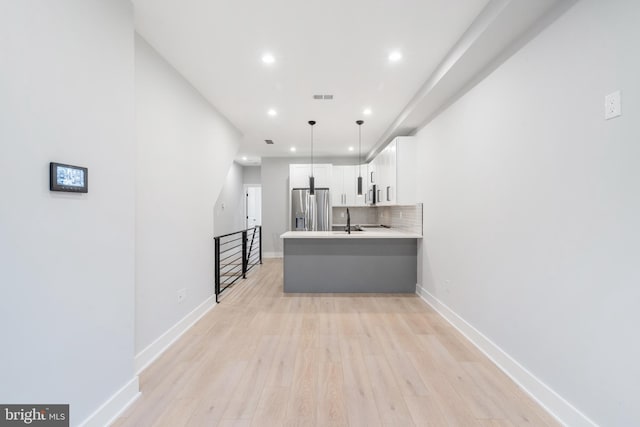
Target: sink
point(343, 228)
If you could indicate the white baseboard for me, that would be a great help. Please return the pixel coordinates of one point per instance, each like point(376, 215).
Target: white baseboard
point(555, 404)
point(112, 408)
point(272, 255)
point(156, 348)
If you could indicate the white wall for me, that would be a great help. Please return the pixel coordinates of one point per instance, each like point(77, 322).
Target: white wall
point(184, 151)
point(532, 207)
point(275, 202)
point(251, 175)
point(229, 213)
point(66, 260)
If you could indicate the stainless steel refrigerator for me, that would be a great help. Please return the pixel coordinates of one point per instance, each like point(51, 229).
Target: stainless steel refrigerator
point(310, 213)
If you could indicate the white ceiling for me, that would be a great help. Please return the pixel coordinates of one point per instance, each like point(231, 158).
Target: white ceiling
point(336, 47)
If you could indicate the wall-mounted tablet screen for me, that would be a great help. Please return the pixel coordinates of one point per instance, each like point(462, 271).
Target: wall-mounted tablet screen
point(69, 178)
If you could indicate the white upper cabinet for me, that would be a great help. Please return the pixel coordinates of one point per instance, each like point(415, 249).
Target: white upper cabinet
point(299, 175)
point(345, 186)
point(371, 172)
point(371, 180)
point(389, 181)
point(322, 174)
point(337, 187)
point(349, 184)
point(395, 172)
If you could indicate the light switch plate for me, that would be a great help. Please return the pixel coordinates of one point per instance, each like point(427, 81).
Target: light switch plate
point(181, 294)
point(612, 107)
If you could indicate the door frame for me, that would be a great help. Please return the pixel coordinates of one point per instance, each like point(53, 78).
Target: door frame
point(245, 193)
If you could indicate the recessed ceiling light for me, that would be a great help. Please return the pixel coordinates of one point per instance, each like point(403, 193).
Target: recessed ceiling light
point(367, 111)
point(244, 158)
point(292, 149)
point(268, 58)
point(351, 148)
point(272, 112)
point(395, 56)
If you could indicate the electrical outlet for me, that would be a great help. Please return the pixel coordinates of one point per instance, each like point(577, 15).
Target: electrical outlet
point(341, 214)
point(612, 105)
point(182, 294)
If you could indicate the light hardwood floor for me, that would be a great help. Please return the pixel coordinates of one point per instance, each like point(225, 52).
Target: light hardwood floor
point(265, 358)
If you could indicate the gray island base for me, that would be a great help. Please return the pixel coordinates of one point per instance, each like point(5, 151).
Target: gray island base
point(374, 265)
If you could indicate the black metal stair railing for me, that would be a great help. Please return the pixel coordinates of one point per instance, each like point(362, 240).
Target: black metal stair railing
point(236, 254)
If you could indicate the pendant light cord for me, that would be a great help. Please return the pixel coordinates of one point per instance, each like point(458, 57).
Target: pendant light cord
point(312, 185)
point(360, 151)
point(311, 150)
point(359, 123)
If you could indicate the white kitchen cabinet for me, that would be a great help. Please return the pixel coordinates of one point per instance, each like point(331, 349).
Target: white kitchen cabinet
point(322, 174)
point(345, 186)
point(388, 179)
point(299, 175)
point(372, 175)
point(338, 197)
point(371, 172)
point(382, 174)
point(337, 187)
point(396, 172)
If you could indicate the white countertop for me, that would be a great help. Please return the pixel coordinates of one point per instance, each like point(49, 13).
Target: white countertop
point(378, 233)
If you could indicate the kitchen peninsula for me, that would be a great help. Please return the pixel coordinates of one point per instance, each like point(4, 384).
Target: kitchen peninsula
point(380, 260)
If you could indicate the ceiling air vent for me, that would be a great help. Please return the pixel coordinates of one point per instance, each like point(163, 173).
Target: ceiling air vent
point(322, 96)
point(269, 141)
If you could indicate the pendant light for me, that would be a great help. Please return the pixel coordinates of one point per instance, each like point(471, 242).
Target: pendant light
point(359, 123)
point(312, 186)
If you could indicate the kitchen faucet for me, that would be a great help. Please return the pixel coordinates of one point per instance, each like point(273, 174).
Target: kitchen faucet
point(348, 222)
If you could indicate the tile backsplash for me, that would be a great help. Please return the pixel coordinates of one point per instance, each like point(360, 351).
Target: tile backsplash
point(408, 218)
point(359, 215)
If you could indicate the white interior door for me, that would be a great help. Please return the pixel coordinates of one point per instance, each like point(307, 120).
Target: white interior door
point(253, 206)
